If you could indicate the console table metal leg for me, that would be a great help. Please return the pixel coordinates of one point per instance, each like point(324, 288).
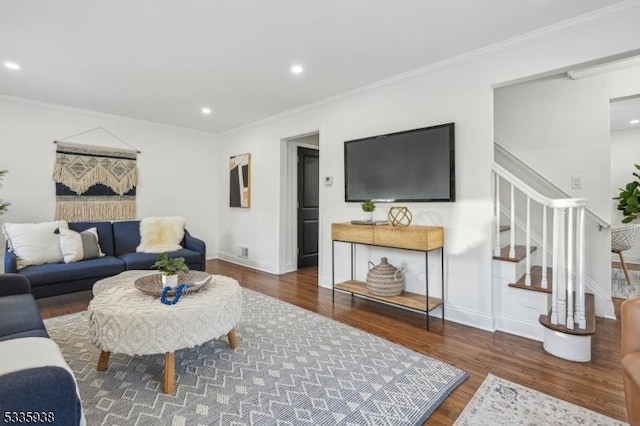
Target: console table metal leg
point(353, 261)
point(442, 281)
point(333, 272)
point(426, 279)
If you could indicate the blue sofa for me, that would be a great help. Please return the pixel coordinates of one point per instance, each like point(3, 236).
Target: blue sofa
point(118, 241)
point(41, 389)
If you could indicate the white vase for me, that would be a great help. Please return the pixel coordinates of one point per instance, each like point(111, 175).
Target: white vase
point(368, 216)
point(169, 280)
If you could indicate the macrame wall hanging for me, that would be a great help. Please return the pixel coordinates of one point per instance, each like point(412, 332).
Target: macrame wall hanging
point(95, 182)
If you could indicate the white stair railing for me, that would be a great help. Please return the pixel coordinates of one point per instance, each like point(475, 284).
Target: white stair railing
point(567, 251)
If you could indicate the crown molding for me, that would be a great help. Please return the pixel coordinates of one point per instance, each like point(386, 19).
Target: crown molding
point(97, 114)
point(620, 64)
point(440, 65)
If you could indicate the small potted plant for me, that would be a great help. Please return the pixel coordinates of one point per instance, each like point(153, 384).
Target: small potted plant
point(170, 268)
point(368, 207)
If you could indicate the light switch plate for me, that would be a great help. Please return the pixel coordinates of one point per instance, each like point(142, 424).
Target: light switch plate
point(328, 180)
point(576, 182)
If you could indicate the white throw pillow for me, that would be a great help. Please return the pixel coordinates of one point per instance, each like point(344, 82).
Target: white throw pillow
point(161, 234)
point(35, 243)
point(77, 246)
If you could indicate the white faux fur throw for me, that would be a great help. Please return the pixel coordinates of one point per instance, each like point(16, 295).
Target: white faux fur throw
point(161, 234)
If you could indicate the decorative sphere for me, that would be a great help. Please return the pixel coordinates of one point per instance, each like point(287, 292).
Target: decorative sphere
point(400, 216)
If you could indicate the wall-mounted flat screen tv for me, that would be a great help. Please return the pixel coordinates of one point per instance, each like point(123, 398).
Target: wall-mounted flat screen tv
point(415, 165)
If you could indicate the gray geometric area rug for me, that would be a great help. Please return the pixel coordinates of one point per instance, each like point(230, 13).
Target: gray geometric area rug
point(292, 367)
point(501, 402)
point(619, 286)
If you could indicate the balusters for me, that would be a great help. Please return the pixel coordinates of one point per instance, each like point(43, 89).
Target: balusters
point(496, 213)
point(567, 247)
point(544, 281)
point(527, 274)
point(512, 224)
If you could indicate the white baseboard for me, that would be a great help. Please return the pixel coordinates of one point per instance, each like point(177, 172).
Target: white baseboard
point(519, 327)
point(260, 266)
point(468, 317)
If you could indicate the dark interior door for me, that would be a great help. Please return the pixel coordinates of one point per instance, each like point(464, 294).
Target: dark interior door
point(308, 203)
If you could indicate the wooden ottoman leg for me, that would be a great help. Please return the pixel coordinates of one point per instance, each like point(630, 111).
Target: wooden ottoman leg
point(233, 339)
point(103, 361)
point(169, 372)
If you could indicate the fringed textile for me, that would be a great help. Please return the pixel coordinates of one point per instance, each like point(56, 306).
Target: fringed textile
point(94, 182)
point(79, 208)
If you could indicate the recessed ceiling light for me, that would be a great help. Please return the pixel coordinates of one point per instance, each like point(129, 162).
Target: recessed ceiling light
point(634, 121)
point(206, 110)
point(297, 69)
point(12, 65)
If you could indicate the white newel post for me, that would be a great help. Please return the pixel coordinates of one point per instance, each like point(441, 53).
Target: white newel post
point(544, 281)
point(561, 286)
point(554, 268)
point(570, 260)
point(580, 290)
point(496, 212)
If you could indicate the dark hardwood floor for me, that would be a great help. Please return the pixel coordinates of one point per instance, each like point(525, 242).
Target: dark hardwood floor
point(596, 384)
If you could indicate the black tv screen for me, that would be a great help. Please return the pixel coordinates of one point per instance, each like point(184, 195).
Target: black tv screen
point(415, 165)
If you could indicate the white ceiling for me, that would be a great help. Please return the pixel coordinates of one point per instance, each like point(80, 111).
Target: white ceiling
point(163, 60)
point(623, 111)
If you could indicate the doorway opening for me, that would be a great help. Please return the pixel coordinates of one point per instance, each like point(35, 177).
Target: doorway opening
point(301, 202)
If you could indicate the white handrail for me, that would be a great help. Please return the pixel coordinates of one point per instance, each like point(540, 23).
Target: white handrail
point(600, 221)
point(535, 195)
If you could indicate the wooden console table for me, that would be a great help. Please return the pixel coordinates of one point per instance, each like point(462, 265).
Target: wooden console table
point(415, 238)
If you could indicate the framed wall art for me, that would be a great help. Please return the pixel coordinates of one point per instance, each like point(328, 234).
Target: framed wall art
point(240, 181)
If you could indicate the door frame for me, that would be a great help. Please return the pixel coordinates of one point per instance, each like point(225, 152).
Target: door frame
point(288, 233)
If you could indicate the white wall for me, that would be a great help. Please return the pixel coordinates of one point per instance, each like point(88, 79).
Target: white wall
point(459, 91)
point(561, 128)
point(177, 167)
point(625, 153)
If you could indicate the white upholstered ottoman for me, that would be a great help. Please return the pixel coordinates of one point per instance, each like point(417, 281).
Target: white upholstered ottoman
point(122, 319)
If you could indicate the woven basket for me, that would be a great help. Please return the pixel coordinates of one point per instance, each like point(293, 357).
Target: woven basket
point(152, 284)
point(385, 279)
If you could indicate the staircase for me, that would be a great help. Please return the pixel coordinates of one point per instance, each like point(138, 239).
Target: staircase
point(538, 268)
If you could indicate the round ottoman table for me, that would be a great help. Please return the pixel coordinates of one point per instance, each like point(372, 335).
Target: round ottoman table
point(122, 319)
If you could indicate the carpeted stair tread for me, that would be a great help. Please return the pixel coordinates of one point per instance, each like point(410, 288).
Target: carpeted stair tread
point(590, 316)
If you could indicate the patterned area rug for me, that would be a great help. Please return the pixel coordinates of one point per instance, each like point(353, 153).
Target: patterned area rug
point(619, 286)
point(292, 367)
point(507, 403)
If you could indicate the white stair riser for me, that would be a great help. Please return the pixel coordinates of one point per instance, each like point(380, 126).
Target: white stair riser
point(567, 346)
point(517, 311)
point(508, 271)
